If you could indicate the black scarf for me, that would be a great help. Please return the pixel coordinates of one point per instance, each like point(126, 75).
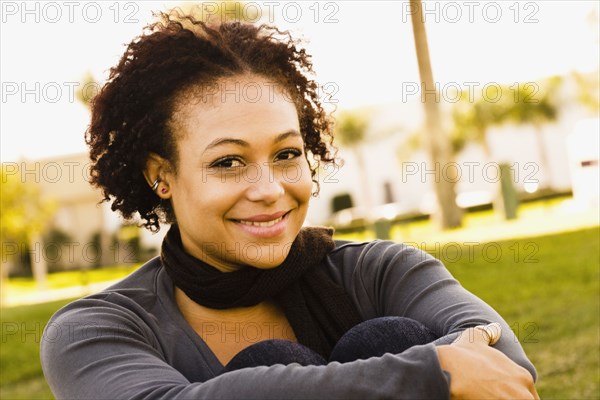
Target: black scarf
point(318, 310)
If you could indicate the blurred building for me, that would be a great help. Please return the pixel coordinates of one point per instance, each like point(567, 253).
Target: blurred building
point(583, 146)
point(79, 229)
point(84, 232)
point(408, 182)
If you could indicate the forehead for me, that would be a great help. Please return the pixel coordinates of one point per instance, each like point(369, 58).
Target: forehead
point(242, 105)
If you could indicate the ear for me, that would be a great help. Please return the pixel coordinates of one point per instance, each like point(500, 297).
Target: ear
point(157, 168)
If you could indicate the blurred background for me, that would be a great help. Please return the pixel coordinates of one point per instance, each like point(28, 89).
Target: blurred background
point(467, 129)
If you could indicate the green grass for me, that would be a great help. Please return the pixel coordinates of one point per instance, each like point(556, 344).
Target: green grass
point(534, 219)
point(546, 287)
point(57, 280)
point(20, 370)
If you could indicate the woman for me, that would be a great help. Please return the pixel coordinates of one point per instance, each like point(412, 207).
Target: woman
point(219, 131)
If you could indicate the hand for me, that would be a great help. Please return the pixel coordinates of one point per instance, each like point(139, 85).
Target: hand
point(479, 371)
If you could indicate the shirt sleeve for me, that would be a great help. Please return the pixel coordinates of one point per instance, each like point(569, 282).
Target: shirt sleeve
point(95, 349)
point(391, 279)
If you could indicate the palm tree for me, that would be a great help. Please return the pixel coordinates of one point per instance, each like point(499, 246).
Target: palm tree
point(449, 214)
point(536, 109)
point(350, 130)
point(588, 90)
point(473, 117)
point(87, 90)
point(471, 120)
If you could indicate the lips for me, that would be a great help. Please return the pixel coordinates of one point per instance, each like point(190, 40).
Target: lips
point(256, 223)
point(268, 218)
point(264, 225)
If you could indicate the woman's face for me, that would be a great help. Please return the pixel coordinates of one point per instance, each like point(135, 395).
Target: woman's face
point(243, 183)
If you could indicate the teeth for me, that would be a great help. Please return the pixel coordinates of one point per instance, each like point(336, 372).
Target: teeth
point(263, 224)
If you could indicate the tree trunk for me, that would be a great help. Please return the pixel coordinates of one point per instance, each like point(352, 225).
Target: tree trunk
point(39, 265)
point(362, 175)
point(5, 267)
point(448, 215)
point(497, 200)
point(543, 167)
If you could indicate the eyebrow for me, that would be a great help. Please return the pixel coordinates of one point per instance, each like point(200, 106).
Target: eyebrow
point(239, 142)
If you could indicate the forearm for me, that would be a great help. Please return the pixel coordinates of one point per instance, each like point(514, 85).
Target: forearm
point(120, 360)
point(415, 373)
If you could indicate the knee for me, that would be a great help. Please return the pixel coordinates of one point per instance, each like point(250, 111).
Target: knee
point(375, 337)
point(271, 352)
point(394, 325)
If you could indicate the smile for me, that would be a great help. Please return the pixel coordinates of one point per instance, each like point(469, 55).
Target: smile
point(266, 224)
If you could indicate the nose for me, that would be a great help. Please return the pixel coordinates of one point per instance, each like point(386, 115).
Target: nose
point(266, 186)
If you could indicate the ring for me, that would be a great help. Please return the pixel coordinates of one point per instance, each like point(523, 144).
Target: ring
point(492, 332)
point(155, 184)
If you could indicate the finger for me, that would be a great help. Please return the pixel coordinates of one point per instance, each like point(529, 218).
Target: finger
point(470, 336)
point(533, 391)
point(493, 331)
point(529, 383)
point(483, 334)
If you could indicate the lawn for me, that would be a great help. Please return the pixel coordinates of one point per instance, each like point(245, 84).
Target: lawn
point(65, 279)
point(546, 287)
point(20, 370)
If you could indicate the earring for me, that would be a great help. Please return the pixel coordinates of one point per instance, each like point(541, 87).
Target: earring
point(155, 184)
point(163, 190)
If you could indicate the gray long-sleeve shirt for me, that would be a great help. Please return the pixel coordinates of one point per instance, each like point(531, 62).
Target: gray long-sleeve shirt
point(131, 341)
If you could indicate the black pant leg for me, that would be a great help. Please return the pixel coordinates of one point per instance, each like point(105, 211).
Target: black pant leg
point(375, 337)
point(271, 352)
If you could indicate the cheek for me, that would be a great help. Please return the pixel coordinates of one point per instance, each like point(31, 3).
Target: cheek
point(180, 198)
point(195, 199)
point(299, 181)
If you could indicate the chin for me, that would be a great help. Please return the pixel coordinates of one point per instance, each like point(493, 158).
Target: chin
point(266, 257)
point(268, 262)
point(265, 266)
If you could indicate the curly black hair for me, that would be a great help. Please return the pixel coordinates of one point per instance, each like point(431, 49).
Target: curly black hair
point(131, 113)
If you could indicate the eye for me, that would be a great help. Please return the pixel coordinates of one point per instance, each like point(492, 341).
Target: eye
point(288, 154)
point(227, 162)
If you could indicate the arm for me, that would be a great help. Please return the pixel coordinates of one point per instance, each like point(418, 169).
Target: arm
point(386, 278)
point(105, 350)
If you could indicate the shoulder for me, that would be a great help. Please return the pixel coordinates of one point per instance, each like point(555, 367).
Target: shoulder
point(128, 305)
point(139, 287)
point(378, 273)
point(143, 278)
point(376, 254)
